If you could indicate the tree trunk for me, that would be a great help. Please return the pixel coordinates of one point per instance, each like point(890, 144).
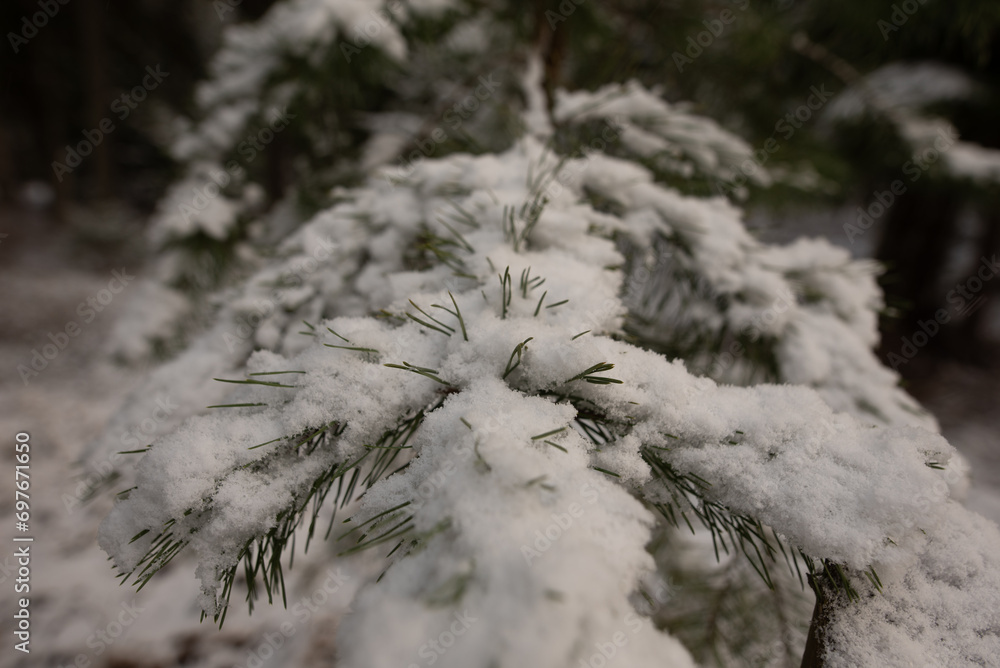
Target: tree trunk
point(920, 230)
point(812, 657)
point(989, 245)
point(92, 43)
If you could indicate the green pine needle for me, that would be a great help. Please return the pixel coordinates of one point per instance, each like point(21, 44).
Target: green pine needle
point(254, 382)
point(548, 433)
point(588, 376)
point(457, 313)
point(359, 349)
point(272, 373)
point(429, 373)
point(337, 335)
point(261, 445)
point(540, 300)
point(505, 292)
point(511, 364)
point(555, 445)
point(234, 405)
point(439, 327)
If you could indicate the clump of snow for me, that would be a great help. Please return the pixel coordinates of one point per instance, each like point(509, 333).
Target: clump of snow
point(974, 162)
point(195, 205)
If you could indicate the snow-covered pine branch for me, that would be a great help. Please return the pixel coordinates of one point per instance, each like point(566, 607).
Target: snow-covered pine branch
point(485, 405)
point(517, 481)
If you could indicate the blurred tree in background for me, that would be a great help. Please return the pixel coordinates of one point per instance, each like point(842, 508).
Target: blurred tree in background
point(65, 79)
point(745, 72)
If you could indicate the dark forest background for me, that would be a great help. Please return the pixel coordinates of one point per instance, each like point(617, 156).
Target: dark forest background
point(63, 80)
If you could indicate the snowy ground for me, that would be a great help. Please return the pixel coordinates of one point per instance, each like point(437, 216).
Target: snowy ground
point(79, 615)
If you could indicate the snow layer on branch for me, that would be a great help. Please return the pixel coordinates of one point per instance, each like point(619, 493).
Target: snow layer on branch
point(536, 117)
point(541, 553)
point(941, 611)
point(809, 298)
point(902, 85)
point(900, 92)
point(974, 162)
point(817, 304)
point(652, 127)
point(493, 471)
